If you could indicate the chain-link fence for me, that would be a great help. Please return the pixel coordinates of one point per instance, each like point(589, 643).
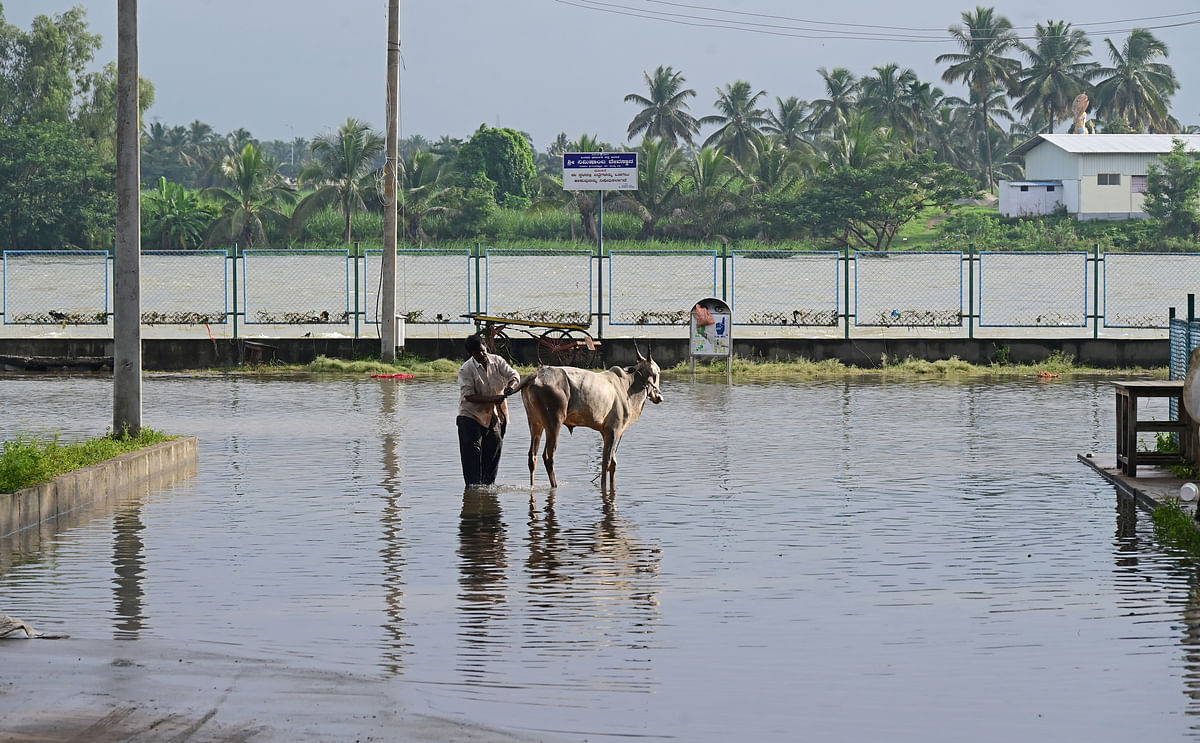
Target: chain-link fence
point(784, 287)
point(539, 286)
point(56, 287)
point(1027, 290)
point(432, 286)
point(908, 289)
point(316, 289)
point(658, 287)
point(185, 287)
point(770, 291)
point(1134, 284)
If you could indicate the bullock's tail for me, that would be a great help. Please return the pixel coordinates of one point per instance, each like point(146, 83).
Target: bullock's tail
point(525, 381)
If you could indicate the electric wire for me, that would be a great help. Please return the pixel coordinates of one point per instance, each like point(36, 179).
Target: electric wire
point(785, 26)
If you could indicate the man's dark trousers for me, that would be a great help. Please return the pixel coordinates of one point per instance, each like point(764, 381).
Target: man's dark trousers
point(479, 447)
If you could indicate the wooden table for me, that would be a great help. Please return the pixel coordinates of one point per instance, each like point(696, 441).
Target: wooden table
point(1129, 425)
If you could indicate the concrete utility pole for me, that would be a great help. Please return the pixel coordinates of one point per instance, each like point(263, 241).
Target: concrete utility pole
point(127, 257)
point(387, 323)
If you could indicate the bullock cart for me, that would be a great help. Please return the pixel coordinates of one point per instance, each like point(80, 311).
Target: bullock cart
point(558, 343)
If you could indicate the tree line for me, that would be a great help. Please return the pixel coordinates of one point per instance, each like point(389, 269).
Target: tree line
point(850, 168)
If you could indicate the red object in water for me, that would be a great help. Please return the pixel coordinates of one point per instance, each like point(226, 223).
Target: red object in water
point(391, 376)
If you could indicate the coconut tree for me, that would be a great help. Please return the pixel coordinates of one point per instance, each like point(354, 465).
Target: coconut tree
point(985, 111)
point(841, 95)
point(664, 113)
point(949, 136)
point(1137, 89)
point(659, 185)
point(739, 121)
point(253, 194)
point(710, 195)
point(777, 168)
point(926, 103)
point(1058, 71)
point(885, 95)
point(422, 192)
point(984, 38)
point(788, 123)
point(857, 142)
point(342, 171)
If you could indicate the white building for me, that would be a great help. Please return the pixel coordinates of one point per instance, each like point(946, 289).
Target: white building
point(1094, 176)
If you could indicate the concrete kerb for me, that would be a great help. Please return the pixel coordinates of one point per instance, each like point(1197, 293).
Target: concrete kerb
point(1153, 486)
point(107, 481)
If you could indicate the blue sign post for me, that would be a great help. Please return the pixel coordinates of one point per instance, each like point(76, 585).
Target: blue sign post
point(600, 171)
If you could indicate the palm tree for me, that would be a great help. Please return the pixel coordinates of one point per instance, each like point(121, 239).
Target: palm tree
point(885, 95)
point(949, 135)
point(926, 103)
point(739, 134)
point(420, 191)
point(1057, 72)
point(841, 94)
point(659, 185)
point(985, 110)
point(664, 114)
point(777, 168)
point(174, 217)
point(1137, 89)
point(857, 141)
point(710, 196)
point(252, 195)
point(984, 38)
point(414, 144)
point(787, 124)
point(343, 171)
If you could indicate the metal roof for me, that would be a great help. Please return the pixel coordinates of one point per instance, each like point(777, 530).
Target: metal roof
point(1149, 144)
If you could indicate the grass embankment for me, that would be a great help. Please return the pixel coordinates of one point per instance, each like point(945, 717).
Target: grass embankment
point(1057, 366)
point(28, 460)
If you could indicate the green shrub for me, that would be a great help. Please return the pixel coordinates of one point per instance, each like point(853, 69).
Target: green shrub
point(1175, 528)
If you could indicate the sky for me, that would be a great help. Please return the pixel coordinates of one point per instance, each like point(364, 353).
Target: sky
point(298, 68)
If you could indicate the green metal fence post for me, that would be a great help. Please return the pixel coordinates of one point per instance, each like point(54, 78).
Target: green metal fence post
point(1096, 291)
point(971, 292)
point(724, 271)
point(1192, 316)
point(846, 251)
point(600, 265)
point(234, 256)
point(1170, 337)
point(478, 306)
point(357, 306)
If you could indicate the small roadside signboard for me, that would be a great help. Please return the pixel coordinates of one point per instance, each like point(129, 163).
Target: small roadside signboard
point(600, 171)
point(712, 332)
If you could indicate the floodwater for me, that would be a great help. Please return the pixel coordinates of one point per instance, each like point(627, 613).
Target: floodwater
point(825, 561)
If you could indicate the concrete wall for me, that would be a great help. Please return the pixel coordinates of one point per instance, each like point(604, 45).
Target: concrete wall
point(49, 355)
point(52, 502)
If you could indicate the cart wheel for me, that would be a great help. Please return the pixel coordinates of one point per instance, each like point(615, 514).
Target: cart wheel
point(501, 346)
point(560, 347)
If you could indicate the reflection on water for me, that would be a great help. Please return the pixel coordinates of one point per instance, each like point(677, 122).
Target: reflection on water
point(849, 560)
point(392, 553)
point(128, 561)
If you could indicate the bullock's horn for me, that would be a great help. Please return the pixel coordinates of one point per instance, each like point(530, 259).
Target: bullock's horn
point(639, 352)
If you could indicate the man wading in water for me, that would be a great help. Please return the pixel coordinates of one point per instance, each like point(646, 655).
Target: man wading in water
point(484, 381)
